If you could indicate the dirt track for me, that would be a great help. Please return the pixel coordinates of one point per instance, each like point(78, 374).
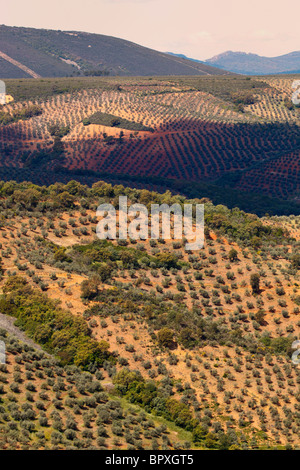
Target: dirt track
point(30, 72)
point(7, 323)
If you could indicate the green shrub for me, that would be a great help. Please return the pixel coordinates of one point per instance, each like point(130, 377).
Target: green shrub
point(60, 332)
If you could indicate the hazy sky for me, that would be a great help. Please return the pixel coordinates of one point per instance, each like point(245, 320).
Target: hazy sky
point(196, 28)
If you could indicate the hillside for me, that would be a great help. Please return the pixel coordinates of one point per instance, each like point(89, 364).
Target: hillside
point(28, 52)
point(193, 135)
point(253, 64)
point(148, 346)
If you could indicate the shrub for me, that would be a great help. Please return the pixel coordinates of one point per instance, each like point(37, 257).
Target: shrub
point(232, 255)
point(255, 283)
point(165, 337)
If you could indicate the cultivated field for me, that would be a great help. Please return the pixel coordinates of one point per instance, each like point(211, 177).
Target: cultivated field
point(236, 132)
point(154, 346)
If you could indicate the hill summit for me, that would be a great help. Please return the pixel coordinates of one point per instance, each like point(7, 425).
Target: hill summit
point(253, 64)
point(29, 52)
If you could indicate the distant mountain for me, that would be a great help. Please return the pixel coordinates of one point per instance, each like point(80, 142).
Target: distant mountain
point(182, 56)
point(28, 52)
point(253, 64)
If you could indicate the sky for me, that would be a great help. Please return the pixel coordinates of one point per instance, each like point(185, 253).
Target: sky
point(199, 29)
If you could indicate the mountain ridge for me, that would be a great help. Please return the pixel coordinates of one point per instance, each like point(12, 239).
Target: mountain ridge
point(248, 63)
point(52, 53)
point(252, 64)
